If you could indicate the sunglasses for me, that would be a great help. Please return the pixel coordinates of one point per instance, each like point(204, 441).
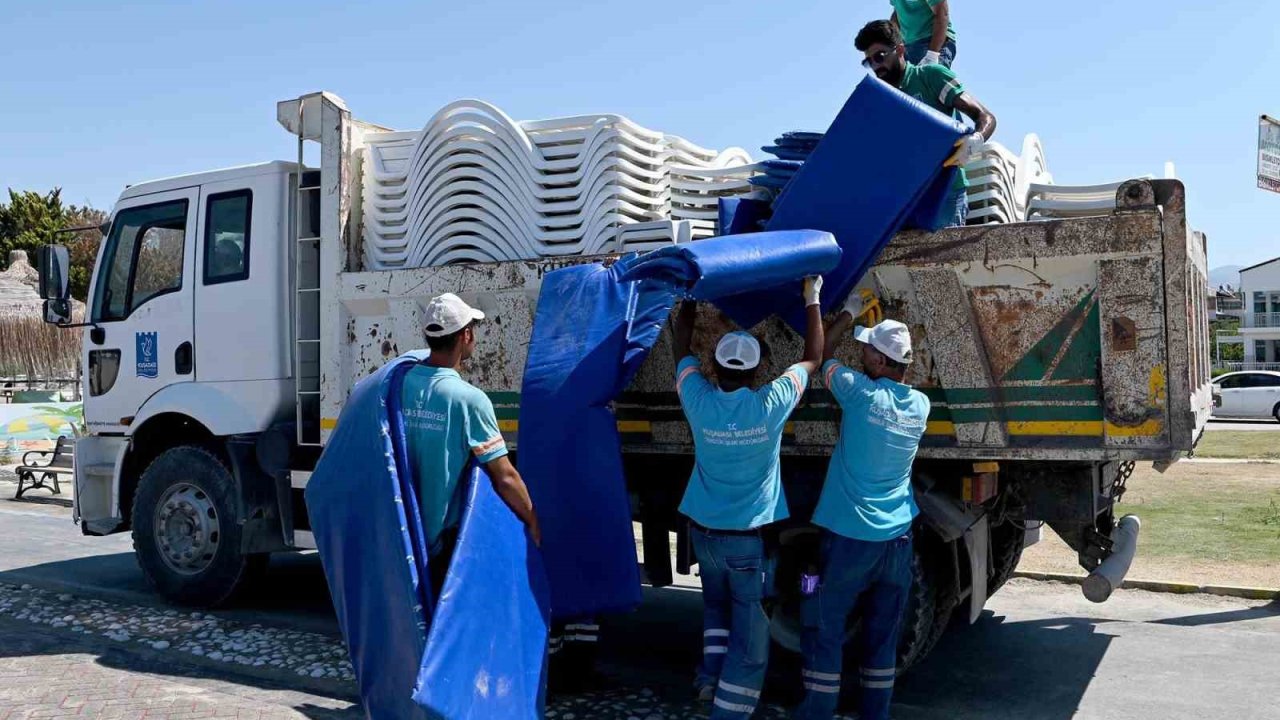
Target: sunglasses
point(877, 59)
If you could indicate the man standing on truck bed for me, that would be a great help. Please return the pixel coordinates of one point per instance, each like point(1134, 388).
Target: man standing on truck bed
point(447, 422)
point(939, 88)
point(734, 491)
point(865, 510)
point(926, 27)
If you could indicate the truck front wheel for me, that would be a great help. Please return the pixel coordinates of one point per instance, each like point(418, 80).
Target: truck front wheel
point(186, 529)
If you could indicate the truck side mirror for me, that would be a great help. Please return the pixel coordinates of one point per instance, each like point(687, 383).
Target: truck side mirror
point(55, 265)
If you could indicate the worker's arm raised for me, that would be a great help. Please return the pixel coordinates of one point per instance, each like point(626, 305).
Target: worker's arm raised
point(983, 120)
point(841, 325)
point(813, 336)
point(511, 488)
point(682, 329)
point(941, 21)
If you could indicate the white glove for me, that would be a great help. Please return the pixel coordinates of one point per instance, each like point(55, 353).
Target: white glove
point(812, 288)
point(854, 304)
point(930, 58)
point(967, 148)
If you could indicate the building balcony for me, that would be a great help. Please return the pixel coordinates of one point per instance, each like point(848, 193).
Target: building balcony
point(1262, 320)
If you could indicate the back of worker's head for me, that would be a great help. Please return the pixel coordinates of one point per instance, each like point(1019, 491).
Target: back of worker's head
point(449, 325)
point(738, 356)
point(886, 349)
point(877, 32)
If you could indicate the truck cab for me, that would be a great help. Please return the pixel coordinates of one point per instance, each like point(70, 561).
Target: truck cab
point(187, 339)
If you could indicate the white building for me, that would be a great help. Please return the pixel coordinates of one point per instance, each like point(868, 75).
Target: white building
point(1260, 327)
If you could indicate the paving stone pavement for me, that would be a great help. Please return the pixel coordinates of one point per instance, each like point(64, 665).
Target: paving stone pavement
point(48, 674)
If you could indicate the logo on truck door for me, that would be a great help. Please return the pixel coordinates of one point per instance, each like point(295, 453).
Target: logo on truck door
point(148, 361)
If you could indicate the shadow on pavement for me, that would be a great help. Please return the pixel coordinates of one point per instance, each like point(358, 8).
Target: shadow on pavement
point(1255, 613)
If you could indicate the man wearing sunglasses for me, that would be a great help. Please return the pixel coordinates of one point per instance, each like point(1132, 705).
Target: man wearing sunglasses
point(926, 27)
point(937, 86)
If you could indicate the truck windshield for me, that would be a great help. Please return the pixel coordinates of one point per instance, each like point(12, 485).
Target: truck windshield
point(143, 258)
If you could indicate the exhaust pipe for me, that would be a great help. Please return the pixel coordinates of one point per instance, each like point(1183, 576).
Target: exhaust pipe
point(1110, 574)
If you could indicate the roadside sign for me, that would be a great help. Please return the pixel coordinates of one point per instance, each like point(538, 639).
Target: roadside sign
point(1269, 153)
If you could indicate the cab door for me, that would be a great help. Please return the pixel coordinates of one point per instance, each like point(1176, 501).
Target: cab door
point(141, 306)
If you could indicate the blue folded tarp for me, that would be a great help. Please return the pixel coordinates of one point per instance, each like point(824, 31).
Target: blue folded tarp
point(487, 640)
point(487, 647)
point(590, 334)
point(593, 328)
point(715, 268)
point(872, 170)
point(365, 519)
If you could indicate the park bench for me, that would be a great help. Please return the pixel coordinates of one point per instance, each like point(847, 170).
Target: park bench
point(60, 462)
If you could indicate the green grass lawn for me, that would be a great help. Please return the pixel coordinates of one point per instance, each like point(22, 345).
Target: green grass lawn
point(1217, 513)
point(1239, 444)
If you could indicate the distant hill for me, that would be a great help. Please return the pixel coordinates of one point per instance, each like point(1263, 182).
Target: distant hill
point(1225, 275)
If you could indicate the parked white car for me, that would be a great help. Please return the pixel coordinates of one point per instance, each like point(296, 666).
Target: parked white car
point(1247, 394)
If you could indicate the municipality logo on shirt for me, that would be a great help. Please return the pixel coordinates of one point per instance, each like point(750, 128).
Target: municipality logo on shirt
point(148, 360)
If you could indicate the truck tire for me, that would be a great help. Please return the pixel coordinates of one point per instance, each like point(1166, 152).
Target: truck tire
point(186, 532)
point(932, 601)
point(1007, 541)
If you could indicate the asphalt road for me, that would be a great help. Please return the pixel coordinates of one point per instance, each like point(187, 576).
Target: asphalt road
point(1039, 650)
point(1248, 425)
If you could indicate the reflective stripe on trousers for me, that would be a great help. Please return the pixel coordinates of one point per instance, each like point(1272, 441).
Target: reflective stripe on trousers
point(877, 575)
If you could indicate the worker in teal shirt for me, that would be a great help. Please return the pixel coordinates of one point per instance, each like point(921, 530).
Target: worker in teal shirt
point(734, 491)
point(926, 28)
point(448, 423)
point(866, 509)
point(936, 86)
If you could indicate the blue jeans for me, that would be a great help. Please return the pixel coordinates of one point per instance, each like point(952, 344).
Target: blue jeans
point(735, 629)
point(876, 577)
point(961, 205)
point(917, 49)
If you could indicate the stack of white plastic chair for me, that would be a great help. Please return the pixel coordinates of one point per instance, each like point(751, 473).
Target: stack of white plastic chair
point(1071, 201)
point(999, 181)
point(476, 186)
point(992, 178)
point(700, 177)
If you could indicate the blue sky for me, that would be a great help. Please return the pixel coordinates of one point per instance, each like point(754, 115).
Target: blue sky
point(96, 95)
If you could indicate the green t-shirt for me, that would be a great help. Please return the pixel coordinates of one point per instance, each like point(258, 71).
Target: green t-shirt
point(447, 421)
point(939, 88)
point(915, 17)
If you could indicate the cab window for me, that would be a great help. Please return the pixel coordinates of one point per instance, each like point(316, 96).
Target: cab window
point(1231, 382)
point(143, 258)
point(226, 237)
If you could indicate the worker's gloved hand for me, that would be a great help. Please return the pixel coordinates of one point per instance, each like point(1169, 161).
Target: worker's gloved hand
point(967, 148)
point(854, 304)
point(931, 58)
point(812, 288)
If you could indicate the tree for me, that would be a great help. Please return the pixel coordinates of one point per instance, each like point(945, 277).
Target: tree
point(29, 221)
point(83, 246)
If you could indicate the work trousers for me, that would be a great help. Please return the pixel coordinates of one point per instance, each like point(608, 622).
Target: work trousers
point(875, 577)
point(917, 49)
point(735, 629)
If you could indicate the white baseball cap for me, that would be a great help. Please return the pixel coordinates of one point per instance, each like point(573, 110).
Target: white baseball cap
point(447, 314)
point(738, 351)
point(889, 337)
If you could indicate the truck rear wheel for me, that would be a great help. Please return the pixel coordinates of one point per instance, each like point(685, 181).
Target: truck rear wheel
point(931, 603)
point(1007, 541)
point(186, 529)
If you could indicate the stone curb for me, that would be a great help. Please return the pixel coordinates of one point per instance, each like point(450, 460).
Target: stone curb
point(1246, 593)
point(1229, 461)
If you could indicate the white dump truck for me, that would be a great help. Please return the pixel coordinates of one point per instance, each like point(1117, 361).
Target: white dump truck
point(230, 315)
